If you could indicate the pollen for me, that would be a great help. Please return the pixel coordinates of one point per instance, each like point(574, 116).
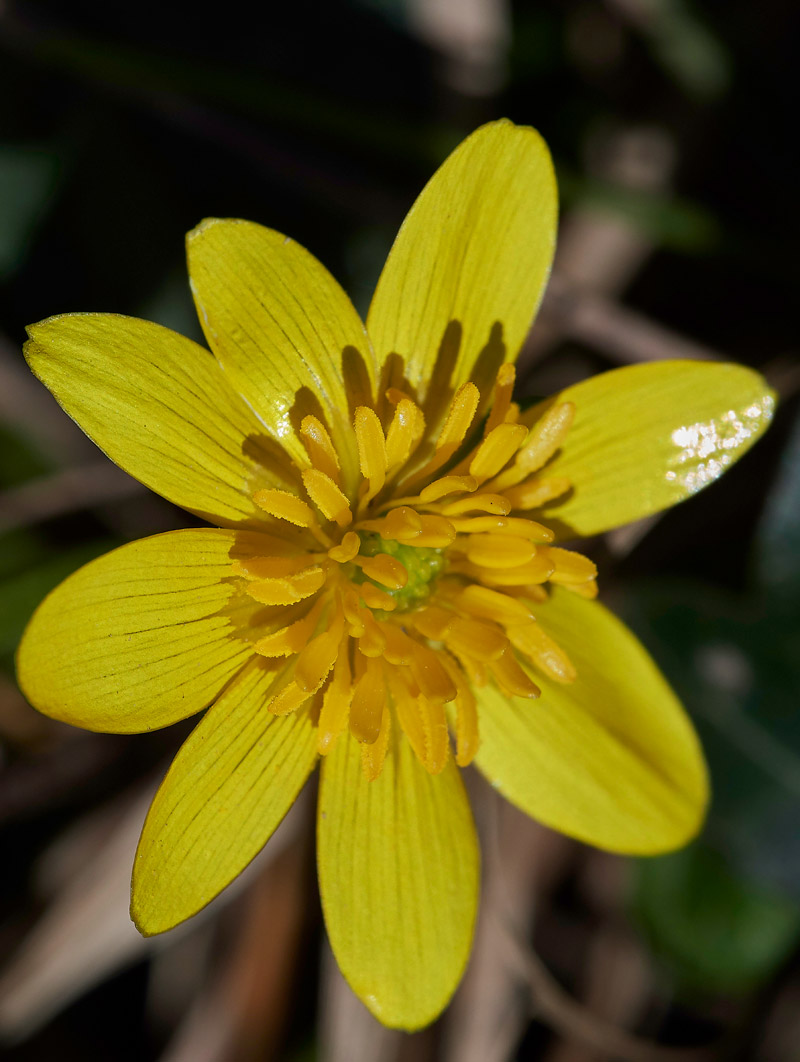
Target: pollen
point(390, 608)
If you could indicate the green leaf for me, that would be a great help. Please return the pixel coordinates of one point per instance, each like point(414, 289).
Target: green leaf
point(714, 931)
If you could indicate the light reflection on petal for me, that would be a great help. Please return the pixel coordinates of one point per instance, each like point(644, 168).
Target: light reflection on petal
point(707, 448)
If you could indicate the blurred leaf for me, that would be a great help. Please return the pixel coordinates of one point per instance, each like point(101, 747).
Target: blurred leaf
point(713, 930)
point(684, 47)
point(27, 180)
point(778, 535)
point(21, 594)
point(18, 461)
point(735, 663)
point(669, 222)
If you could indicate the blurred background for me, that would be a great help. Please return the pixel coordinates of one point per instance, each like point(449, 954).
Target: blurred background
point(672, 124)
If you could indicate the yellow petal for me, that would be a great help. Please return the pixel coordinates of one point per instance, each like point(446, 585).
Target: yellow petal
point(398, 871)
point(467, 270)
point(612, 758)
point(139, 638)
point(161, 408)
point(648, 436)
point(284, 331)
point(230, 785)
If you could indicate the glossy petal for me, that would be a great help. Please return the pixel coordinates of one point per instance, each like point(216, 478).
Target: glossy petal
point(648, 436)
point(468, 267)
point(284, 331)
point(161, 408)
point(139, 638)
point(228, 788)
point(611, 759)
point(398, 871)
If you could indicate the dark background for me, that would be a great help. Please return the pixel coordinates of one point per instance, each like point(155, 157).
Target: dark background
point(673, 128)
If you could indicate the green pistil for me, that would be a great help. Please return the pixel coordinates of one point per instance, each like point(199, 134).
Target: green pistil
point(422, 563)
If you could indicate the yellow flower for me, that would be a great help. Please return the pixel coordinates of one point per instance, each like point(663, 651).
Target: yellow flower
point(376, 577)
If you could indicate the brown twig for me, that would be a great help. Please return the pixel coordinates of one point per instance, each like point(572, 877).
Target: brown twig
point(573, 1021)
point(68, 491)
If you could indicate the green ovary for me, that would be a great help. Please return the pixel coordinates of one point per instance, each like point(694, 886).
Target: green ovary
point(422, 563)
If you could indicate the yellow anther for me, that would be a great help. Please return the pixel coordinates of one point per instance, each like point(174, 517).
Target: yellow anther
point(318, 657)
point(510, 676)
point(492, 605)
point(373, 597)
point(470, 636)
point(478, 503)
point(366, 707)
point(499, 551)
point(402, 523)
point(437, 532)
point(285, 506)
point(430, 675)
point(319, 447)
point(336, 702)
point(405, 433)
point(287, 700)
point(505, 525)
point(536, 492)
point(371, 448)
point(347, 548)
point(496, 450)
point(434, 723)
point(372, 642)
point(440, 488)
point(503, 388)
point(544, 438)
point(327, 497)
point(459, 418)
point(432, 622)
point(386, 570)
point(288, 590)
point(399, 647)
point(291, 639)
point(541, 650)
point(538, 570)
point(272, 567)
point(569, 567)
point(467, 738)
point(373, 755)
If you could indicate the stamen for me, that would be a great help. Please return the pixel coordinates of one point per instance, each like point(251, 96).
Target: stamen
point(505, 525)
point(291, 639)
point(318, 657)
point(336, 702)
point(503, 389)
point(285, 506)
point(373, 597)
point(374, 755)
point(541, 650)
point(288, 590)
point(496, 450)
point(569, 566)
point(544, 438)
point(478, 503)
point(440, 488)
point(319, 447)
point(466, 714)
point(405, 433)
point(430, 675)
point(536, 492)
point(366, 708)
point(327, 497)
point(492, 605)
point(371, 450)
point(473, 638)
point(499, 551)
point(386, 570)
point(511, 678)
point(347, 549)
point(454, 430)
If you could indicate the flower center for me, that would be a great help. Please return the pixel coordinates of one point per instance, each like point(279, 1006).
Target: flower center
point(422, 565)
point(397, 600)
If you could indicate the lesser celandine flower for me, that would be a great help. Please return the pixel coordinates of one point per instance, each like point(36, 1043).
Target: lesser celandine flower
point(384, 571)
